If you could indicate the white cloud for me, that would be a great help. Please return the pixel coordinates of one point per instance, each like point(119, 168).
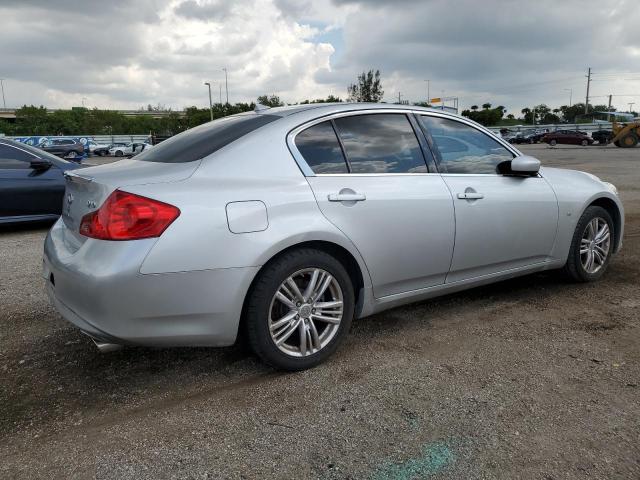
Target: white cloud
point(122, 54)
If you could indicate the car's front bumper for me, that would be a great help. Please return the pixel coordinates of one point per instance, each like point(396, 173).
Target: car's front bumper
point(100, 290)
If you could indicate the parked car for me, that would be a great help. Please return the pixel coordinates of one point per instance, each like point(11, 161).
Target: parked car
point(104, 150)
point(63, 147)
point(31, 183)
point(96, 148)
point(128, 149)
point(570, 137)
point(285, 224)
point(602, 136)
point(530, 138)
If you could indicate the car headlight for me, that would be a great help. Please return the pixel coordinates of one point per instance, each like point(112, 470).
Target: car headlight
point(612, 188)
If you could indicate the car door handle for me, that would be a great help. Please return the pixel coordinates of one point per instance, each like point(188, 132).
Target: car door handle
point(470, 196)
point(347, 197)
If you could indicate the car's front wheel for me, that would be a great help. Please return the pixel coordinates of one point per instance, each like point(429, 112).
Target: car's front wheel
point(72, 154)
point(591, 246)
point(299, 309)
point(553, 142)
point(584, 143)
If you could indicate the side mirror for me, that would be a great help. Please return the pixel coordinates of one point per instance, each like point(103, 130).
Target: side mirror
point(525, 165)
point(40, 164)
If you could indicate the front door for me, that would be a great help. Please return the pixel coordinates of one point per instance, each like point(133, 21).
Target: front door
point(382, 197)
point(502, 221)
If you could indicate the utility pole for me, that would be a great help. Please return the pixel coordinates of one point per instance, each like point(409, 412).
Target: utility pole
point(226, 84)
point(399, 98)
point(586, 103)
point(4, 102)
point(570, 90)
point(631, 104)
point(609, 108)
point(208, 84)
point(428, 93)
point(220, 85)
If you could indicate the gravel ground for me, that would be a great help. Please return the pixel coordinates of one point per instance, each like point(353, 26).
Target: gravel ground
point(530, 378)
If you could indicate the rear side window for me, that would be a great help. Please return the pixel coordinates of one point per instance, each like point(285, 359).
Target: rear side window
point(13, 158)
point(198, 142)
point(380, 143)
point(461, 148)
point(321, 150)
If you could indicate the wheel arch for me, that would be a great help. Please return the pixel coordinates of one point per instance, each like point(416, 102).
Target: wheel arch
point(344, 256)
point(612, 208)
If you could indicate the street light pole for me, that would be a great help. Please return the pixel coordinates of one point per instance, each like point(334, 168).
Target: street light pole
point(210, 103)
point(226, 84)
point(631, 104)
point(4, 102)
point(570, 90)
point(428, 93)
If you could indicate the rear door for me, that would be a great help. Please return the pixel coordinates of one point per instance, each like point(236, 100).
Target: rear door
point(370, 177)
point(502, 221)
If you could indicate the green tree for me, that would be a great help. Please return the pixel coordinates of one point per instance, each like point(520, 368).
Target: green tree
point(367, 89)
point(270, 101)
point(487, 116)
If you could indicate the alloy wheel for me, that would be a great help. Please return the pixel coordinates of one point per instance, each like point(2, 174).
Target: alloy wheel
point(305, 312)
point(595, 245)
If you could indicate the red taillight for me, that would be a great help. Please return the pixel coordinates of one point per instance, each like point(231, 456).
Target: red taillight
point(125, 216)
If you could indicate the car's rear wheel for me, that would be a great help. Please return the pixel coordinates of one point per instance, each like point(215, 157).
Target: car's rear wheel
point(299, 309)
point(591, 246)
point(72, 154)
point(553, 142)
point(119, 153)
point(584, 142)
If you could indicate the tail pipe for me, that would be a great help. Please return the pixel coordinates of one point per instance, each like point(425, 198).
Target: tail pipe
point(106, 347)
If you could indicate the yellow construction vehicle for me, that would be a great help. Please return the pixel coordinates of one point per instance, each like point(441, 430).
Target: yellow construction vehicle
point(625, 135)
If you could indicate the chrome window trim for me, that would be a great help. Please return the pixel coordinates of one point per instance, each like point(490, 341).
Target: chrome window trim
point(308, 172)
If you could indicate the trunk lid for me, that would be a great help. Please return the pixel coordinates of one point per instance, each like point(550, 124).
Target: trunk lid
point(88, 188)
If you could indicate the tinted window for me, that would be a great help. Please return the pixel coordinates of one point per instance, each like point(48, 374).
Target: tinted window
point(198, 142)
point(13, 158)
point(320, 148)
point(461, 148)
point(381, 143)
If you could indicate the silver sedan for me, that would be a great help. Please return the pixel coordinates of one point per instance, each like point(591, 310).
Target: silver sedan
point(285, 224)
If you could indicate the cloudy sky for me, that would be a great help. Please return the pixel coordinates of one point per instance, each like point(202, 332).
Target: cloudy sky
point(125, 53)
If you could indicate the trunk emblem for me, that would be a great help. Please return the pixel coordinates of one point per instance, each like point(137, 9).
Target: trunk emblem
point(91, 204)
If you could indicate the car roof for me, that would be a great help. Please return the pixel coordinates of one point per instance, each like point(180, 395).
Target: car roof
point(320, 109)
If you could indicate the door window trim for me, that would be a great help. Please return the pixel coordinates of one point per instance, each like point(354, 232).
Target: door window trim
point(308, 172)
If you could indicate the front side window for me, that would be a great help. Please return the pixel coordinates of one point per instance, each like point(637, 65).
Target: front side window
point(461, 148)
point(380, 143)
point(13, 158)
point(321, 150)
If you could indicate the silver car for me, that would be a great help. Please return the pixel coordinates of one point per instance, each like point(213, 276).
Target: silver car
point(284, 224)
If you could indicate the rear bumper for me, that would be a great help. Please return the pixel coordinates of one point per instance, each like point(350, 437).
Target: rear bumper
point(99, 289)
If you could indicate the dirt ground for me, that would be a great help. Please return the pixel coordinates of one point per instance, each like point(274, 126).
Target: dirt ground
point(533, 378)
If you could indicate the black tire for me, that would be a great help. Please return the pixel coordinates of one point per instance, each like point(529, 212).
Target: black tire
point(584, 143)
point(574, 269)
point(259, 303)
point(119, 153)
point(553, 142)
point(628, 141)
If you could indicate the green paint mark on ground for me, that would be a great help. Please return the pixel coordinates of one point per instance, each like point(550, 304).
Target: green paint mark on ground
point(435, 457)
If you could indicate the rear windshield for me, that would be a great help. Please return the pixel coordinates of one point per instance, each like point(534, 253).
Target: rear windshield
point(198, 142)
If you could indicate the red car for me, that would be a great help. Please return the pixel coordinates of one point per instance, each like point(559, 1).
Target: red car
point(570, 137)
